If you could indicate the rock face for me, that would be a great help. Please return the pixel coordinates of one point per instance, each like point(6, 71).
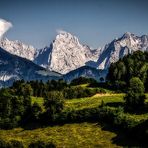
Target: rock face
point(14, 68)
point(18, 48)
point(118, 48)
point(43, 57)
point(65, 54)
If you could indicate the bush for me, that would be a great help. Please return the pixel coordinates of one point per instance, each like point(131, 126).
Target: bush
point(54, 103)
point(117, 118)
point(70, 116)
point(15, 144)
point(36, 110)
point(3, 144)
point(9, 123)
point(114, 116)
point(135, 96)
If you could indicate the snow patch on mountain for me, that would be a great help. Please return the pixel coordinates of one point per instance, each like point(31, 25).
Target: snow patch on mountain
point(5, 77)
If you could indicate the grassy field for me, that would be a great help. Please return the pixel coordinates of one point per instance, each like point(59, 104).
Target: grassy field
point(84, 135)
point(94, 101)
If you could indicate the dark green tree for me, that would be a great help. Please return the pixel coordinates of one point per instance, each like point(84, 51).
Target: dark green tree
point(36, 110)
point(54, 103)
point(5, 103)
point(135, 96)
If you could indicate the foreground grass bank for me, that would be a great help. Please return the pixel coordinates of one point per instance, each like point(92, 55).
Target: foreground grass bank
point(68, 135)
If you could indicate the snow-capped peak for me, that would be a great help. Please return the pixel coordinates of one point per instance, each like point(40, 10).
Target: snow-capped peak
point(18, 48)
point(66, 54)
point(66, 38)
point(127, 35)
point(120, 47)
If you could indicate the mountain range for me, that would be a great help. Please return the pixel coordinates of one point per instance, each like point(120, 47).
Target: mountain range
point(65, 55)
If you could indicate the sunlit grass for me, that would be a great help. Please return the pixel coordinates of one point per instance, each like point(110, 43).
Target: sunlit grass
point(91, 102)
point(38, 100)
point(84, 135)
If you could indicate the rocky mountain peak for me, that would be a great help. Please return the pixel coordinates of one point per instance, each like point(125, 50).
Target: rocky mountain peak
point(68, 54)
point(18, 48)
point(66, 39)
point(127, 35)
point(120, 47)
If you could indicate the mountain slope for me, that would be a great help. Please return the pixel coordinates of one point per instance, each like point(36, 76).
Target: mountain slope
point(85, 71)
point(14, 68)
point(118, 48)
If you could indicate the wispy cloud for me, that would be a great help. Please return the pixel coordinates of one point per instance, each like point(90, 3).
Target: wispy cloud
point(4, 26)
point(59, 31)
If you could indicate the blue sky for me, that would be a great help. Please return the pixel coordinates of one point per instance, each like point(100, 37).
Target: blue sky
point(94, 22)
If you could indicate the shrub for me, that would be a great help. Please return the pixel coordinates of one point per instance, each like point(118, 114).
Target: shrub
point(3, 144)
point(54, 103)
point(135, 96)
point(15, 144)
point(117, 118)
point(36, 110)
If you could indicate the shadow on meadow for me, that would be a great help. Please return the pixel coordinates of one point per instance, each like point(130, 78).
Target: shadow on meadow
point(128, 138)
point(139, 111)
point(115, 104)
